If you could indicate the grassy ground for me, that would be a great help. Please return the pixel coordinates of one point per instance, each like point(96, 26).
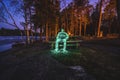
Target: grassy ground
point(100, 64)
point(36, 61)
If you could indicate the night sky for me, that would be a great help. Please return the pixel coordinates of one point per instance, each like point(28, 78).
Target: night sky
point(18, 18)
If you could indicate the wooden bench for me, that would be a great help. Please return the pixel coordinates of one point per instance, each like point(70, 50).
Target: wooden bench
point(70, 44)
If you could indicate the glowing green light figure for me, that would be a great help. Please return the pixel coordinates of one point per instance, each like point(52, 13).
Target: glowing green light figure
point(61, 38)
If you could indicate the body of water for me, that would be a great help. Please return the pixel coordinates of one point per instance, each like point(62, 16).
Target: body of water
point(5, 47)
point(7, 41)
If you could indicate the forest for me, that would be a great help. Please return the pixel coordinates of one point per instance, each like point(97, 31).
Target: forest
point(79, 18)
point(13, 32)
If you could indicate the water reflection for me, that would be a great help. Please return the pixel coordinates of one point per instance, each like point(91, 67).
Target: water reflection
point(7, 41)
point(5, 47)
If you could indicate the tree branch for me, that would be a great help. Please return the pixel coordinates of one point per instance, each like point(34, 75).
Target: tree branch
point(15, 25)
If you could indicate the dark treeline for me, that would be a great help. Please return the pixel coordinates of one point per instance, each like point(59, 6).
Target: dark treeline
point(79, 18)
point(11, 32)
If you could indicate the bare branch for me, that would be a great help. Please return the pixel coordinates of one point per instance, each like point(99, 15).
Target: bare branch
point(14, 23)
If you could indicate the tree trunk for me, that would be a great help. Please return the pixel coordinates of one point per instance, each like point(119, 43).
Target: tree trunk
point(85, 29)
point(50, 32)
point(36, 32)
point(56, 27)
point(41, 34)
point(26, 28)
point(118, 13)
point(109, 28)
point(46, 32)
point(31, 27)
point(27, 35)
point(72, 26)
point(100, 20)
point(80, 33)
point(76, 27)
point(32, 36)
